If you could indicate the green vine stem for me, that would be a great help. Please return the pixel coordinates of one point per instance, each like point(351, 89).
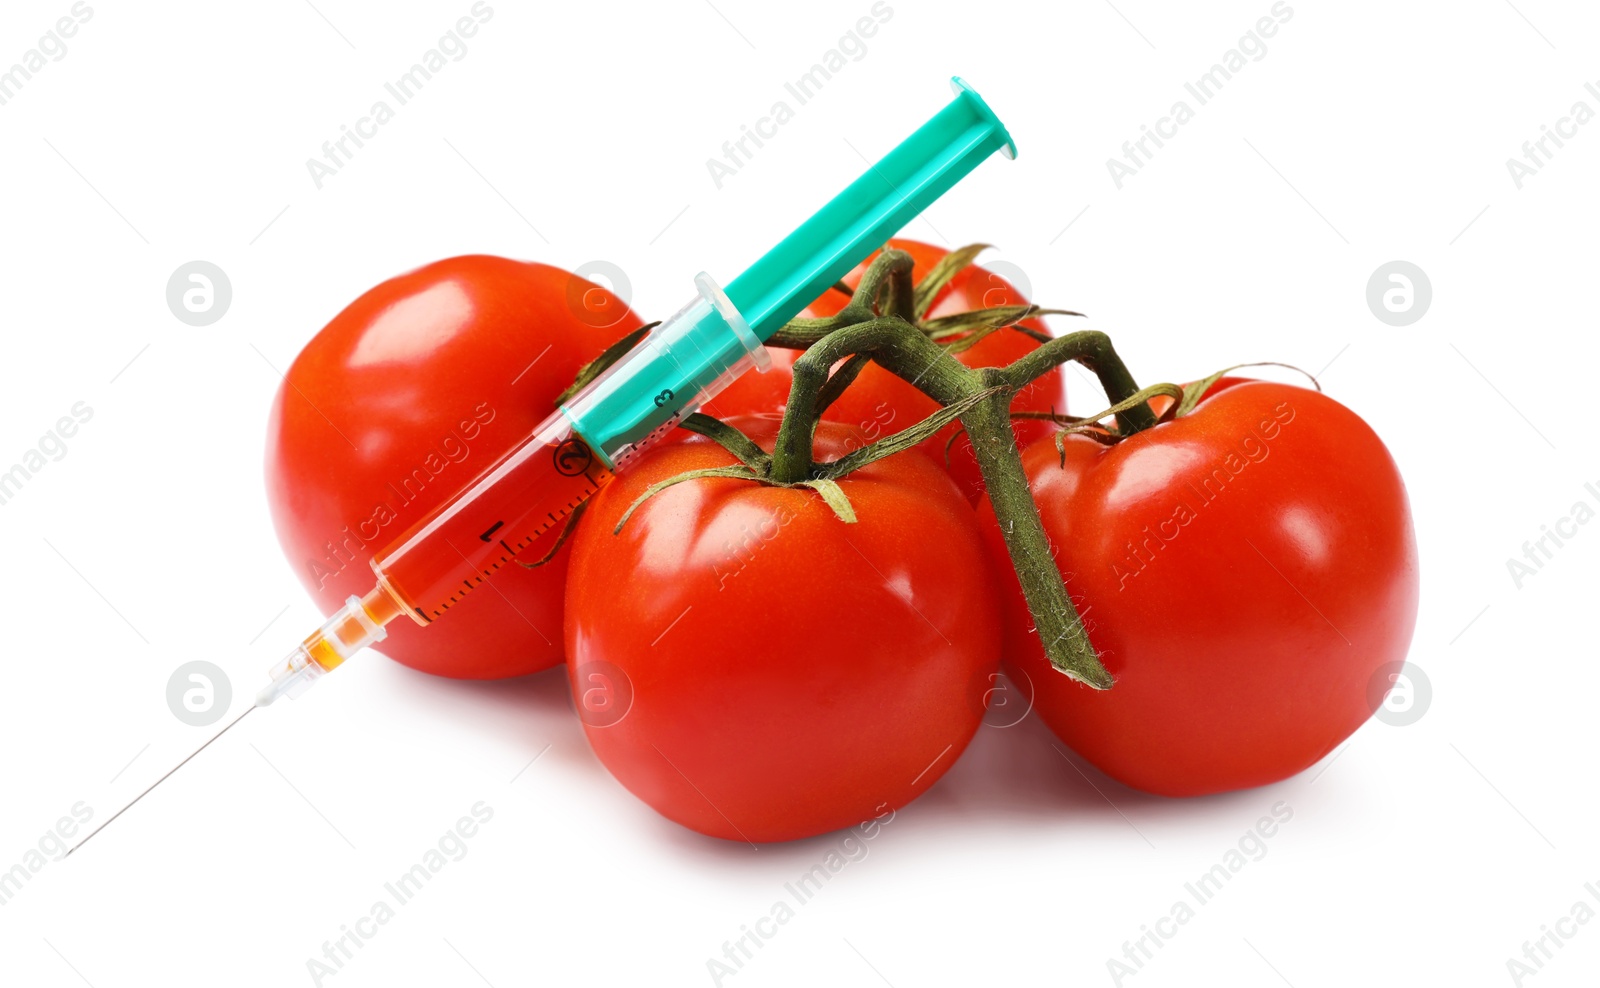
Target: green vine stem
point(906, 352)
point(886, 280)
point(985, 395)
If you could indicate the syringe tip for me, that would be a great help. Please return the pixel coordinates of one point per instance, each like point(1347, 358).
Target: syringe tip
point(350, 629)
point(290, 677)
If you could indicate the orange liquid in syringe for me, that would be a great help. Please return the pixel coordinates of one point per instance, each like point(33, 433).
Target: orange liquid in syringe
point(452, 552)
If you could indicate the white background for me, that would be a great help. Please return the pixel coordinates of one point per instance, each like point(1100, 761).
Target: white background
point(568, 133)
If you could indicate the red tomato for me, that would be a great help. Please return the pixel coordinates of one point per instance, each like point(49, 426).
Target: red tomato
point(1245, 572)
point(879, 403)
point(757, 670)
point(399, 402)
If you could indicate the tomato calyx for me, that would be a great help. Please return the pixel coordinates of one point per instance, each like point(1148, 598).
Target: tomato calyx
point(599, 365)
point(1181, 401)
point(1192, 394)
point(756, 464)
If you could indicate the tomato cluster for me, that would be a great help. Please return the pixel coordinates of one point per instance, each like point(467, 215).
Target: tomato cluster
point(761, 661)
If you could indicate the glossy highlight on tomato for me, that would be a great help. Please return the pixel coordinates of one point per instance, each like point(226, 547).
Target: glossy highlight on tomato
point(402, 400)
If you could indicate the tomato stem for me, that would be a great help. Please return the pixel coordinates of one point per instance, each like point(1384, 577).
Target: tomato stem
point(898, 345)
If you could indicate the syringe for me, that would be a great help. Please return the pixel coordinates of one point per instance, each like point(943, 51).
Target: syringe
point(679, 366)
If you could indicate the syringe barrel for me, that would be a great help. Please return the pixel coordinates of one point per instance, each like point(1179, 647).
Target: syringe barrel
point(858, 220)
point(691, 357)
point(533, 488)
point(680, 365)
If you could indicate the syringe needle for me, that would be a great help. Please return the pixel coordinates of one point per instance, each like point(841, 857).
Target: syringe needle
point(158, 781)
